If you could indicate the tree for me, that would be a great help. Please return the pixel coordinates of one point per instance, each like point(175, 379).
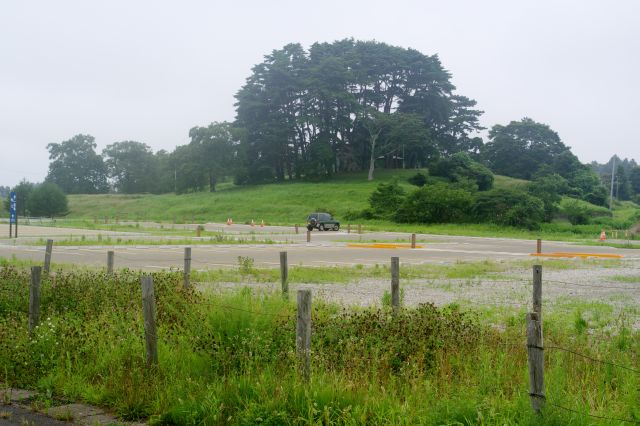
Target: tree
point(214, 147)
point(364, 100)
point(549, 189)
point(438, 203)
point(461, 167)
point(76, 167)
point(634, 178)
point(132, 166)
point(47, 199)
point(386, 199)
point(521, 148)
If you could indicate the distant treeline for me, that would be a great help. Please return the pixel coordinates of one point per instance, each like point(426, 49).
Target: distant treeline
point(336, 107)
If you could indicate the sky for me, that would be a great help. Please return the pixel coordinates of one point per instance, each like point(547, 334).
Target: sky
point(150, 70)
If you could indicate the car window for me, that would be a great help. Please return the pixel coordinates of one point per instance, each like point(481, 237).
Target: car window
point(325, 216)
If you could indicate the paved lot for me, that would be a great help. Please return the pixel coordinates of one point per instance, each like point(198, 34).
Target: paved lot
point(326, 248)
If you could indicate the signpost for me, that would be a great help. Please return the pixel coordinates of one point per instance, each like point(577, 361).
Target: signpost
point(13, 213)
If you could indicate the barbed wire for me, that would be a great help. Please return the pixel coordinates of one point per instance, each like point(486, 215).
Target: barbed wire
point(591, 358)
point(586, 414)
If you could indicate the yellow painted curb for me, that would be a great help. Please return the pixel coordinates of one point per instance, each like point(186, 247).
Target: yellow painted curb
point(581, 255)
point(382, 245)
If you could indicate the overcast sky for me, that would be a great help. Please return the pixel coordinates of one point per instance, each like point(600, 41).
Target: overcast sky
point(150, 70)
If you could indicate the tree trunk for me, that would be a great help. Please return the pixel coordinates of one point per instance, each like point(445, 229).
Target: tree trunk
point(372, 159)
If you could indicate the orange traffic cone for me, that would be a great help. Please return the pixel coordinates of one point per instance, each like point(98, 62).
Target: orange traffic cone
point(253, 223)
point(603, 236)
point(262, 224)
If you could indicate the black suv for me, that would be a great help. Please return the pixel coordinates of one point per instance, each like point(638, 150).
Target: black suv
point(322, 221)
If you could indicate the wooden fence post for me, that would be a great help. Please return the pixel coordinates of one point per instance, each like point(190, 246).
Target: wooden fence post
point(413, 241)
point(348, 228)
point(303, 333)
point(395, 284)
point(284, 274)
point(308, 236)
point(149, 313)
point(535, 353)
point(47, 256)
point(537, 291)
point(539, 246)
point(297, 228)
point(359, 228)
point(110, 262)
point(34, 298)
point(187, 267)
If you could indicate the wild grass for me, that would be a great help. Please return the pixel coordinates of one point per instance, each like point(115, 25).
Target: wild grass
point(230, 359)
point(126, 241)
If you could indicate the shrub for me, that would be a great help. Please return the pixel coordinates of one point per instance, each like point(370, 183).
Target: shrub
point(460, 166)
point(438, 203)
point(47, 199)
point(510, 208)
point(419, 179)
point(386, 199)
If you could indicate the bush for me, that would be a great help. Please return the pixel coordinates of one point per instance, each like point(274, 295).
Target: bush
point(419, 179)
point(386, 199)
point(579, 212)
point(47, 199)
point(509, 207)
point(460, 166)
point(438, 203)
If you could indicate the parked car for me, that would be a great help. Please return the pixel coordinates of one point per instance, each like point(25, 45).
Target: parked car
point(322, 222)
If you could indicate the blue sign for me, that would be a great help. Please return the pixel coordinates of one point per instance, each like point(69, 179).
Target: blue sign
point(13, 215)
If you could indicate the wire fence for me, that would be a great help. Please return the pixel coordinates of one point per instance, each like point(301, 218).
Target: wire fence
point(518, 301)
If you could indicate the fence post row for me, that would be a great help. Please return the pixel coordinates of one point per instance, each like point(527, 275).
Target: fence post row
point(47, 256)
point(284, 273)
point(539, 246)
point(395, 284)
point(34, 298)
point(303, 333)
point(110, 262)
point(149, 314)
point(187, 267)
point(535, 354)
point(413, 241)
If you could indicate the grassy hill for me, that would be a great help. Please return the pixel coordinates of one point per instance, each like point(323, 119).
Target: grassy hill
point(285, 203)
point(289, 203)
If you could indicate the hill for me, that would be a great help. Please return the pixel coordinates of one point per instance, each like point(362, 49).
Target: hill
point(285, 203)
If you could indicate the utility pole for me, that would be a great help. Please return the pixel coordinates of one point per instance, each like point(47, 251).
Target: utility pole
point(613, 175)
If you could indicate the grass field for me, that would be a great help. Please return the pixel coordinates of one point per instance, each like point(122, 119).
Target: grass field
point(289, 203)
point(230, 358)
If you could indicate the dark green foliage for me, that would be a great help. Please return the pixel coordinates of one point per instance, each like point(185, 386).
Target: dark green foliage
point(549, 189)
point(509, 208)
point(360, 100)
point(437, 203)
point(521, 148)
point(634, 179)
point(577, 213)
point(47, 199)
point(460, 167)
point(419, 179)
point(132, 167)
point(76, 168)
point(386, 199)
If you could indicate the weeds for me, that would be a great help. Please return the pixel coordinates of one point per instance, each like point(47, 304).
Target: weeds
point(230, 358)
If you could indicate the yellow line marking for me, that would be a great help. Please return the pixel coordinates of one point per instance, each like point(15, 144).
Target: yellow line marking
point(382, 245)
point(581, 255)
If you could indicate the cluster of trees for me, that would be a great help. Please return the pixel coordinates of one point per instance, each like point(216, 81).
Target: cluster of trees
point(351, 106)
point(626, 182)
point(44, 199)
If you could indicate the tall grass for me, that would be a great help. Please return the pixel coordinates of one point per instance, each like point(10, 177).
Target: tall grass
point(229, 358)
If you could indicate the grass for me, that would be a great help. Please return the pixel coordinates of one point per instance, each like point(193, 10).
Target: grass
point(626, 278)
point(230, 359)
point(124, 241)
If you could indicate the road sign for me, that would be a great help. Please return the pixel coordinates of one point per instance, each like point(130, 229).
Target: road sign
point(13, 214)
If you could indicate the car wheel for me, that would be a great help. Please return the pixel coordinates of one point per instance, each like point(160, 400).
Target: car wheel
point(321, 227)
point(336, 227)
